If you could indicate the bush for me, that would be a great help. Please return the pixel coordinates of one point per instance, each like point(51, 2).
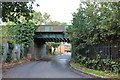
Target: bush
point(106, 65)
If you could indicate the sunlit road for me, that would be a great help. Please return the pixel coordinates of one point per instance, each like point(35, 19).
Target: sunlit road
point(56, 68)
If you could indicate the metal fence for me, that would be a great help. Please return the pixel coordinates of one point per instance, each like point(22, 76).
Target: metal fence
point(105, 50)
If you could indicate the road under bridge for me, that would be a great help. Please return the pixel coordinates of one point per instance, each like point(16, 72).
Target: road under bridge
point(47, 33)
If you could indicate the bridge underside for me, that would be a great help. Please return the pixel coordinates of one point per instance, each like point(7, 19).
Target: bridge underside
point(41, 37)
point(51, 40)
point(40, 45)
point(51, 37)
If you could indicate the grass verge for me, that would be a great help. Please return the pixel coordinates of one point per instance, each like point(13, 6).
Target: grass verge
point(98, 73)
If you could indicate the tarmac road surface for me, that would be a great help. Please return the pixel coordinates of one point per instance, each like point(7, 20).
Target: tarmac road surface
point(57, 67)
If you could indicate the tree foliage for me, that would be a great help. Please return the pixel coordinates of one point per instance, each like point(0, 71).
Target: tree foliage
point(41, 18)
point(54, 45)
point(94, 23)
point(44, 19)
point(37, 17)
point(6, 32)
point(56, 23)
point(22, 33)
point(12, 11)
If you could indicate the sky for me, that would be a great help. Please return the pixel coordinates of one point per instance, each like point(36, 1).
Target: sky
point(60, 10)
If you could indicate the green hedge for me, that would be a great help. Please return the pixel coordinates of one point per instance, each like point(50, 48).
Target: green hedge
point(106, 65)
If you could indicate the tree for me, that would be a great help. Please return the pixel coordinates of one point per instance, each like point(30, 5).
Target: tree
point(56, 23)
point(37, 17)
point(22, 33)
point(41, 19)
point(95, 23)
point(54, 45)
point(110, 25)
point(6, 32)
point(46, 18)
point(12, 11)
point(19, 28)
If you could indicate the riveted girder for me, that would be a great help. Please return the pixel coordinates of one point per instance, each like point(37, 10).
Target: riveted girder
point(49, 33)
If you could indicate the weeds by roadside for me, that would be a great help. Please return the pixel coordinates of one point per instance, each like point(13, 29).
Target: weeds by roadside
point(7, 66)
point(98, 73)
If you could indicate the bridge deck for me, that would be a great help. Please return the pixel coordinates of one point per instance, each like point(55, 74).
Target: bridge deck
point(51, 33)
point(51, 28)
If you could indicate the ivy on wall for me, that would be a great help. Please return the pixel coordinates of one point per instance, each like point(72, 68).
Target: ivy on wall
point(22, 33)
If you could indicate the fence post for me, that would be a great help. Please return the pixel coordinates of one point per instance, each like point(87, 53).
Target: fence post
point(118, 52)
point(16, 52)
point(5, 51)
point(110, 51)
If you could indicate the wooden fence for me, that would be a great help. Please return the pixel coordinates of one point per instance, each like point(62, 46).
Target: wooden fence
point(105, 50)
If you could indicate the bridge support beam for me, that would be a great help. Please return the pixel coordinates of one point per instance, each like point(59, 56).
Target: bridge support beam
point(39, 50)
point(31, 50)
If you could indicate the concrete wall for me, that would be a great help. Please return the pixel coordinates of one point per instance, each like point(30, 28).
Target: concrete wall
point(39, 50)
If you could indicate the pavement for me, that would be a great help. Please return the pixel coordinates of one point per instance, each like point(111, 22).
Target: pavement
point(57, 67)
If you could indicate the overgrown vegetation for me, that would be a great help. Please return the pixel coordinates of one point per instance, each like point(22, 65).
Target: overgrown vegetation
point(16, 28)
point(13, 11)
point(95, 23)
point(21, 21)
point(98, 73)
point(21, 33)
point(98, 63)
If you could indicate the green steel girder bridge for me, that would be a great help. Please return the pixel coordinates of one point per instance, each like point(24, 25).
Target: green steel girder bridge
point(51, 33)
point(48, 33)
